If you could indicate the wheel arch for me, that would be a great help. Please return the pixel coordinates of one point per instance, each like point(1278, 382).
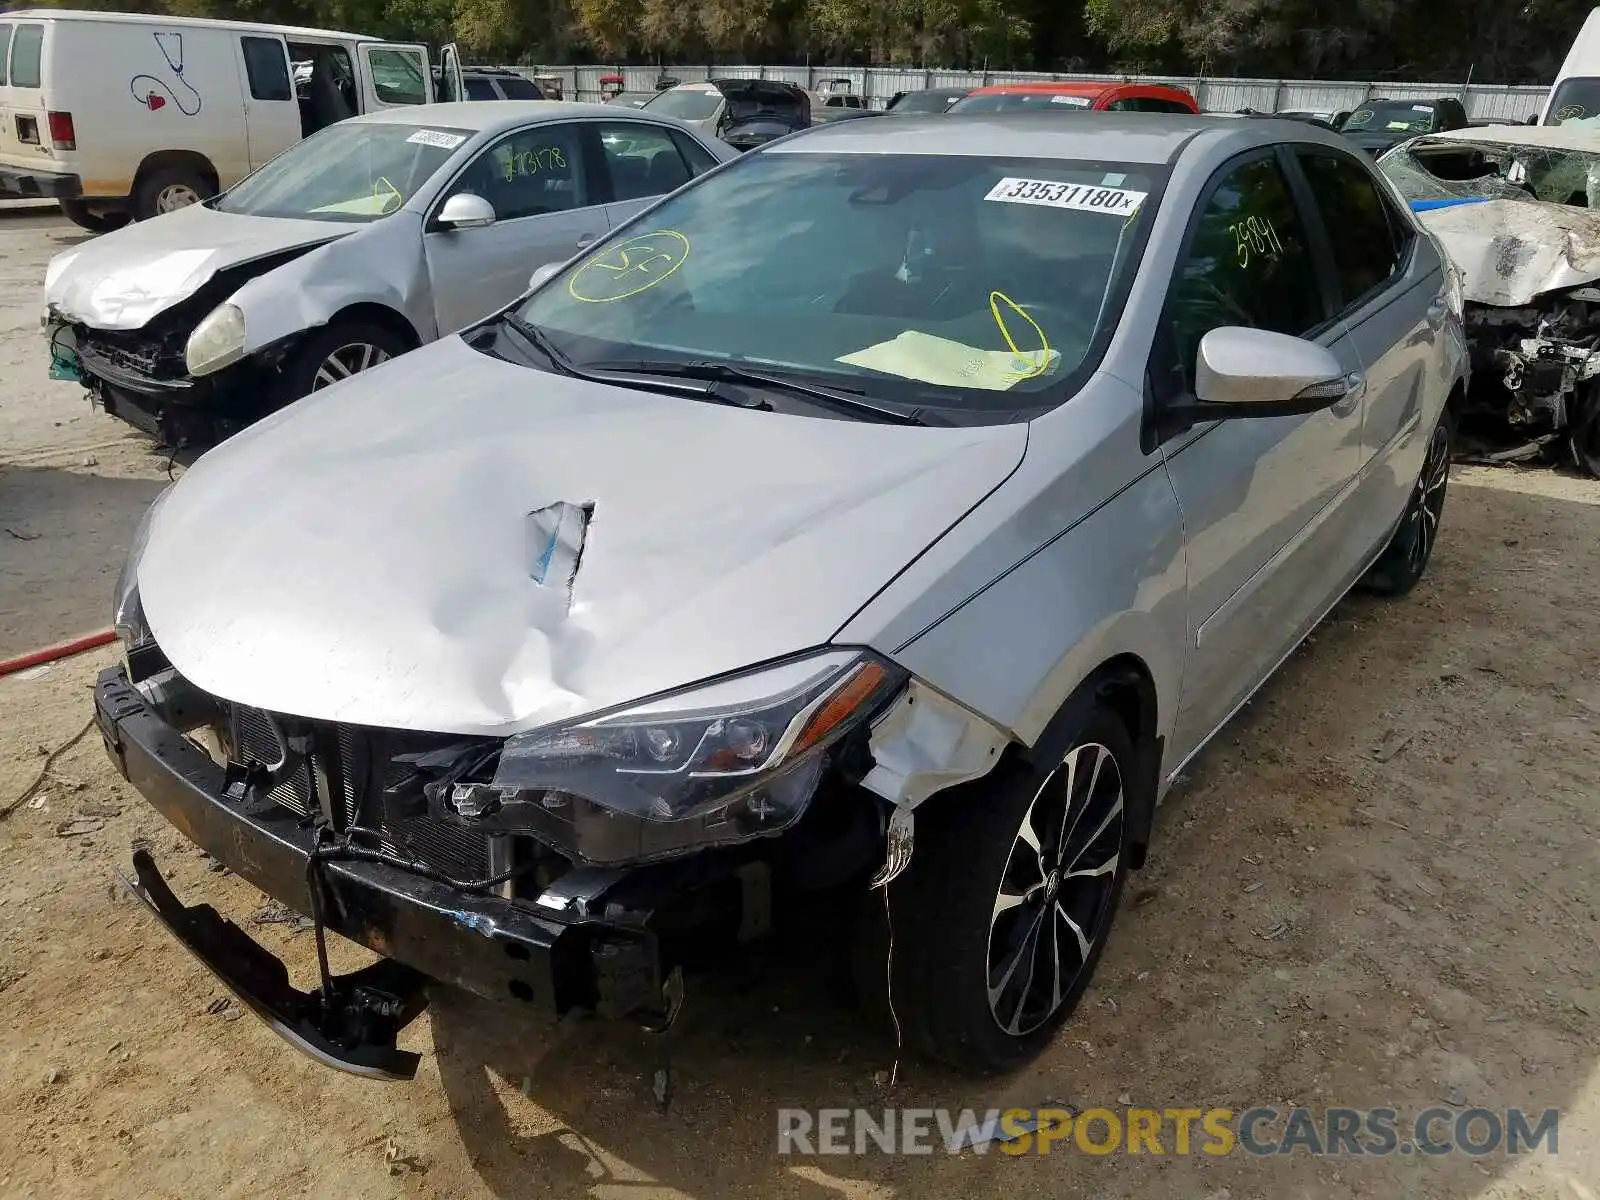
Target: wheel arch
point(377, 314)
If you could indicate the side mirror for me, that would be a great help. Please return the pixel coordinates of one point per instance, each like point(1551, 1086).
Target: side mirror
point(1243, 372)
point(543, 273)
point(465, 210)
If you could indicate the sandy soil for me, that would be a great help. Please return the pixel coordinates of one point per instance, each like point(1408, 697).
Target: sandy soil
point(1381, 887)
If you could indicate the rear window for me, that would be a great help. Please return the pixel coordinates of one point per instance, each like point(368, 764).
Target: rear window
point(515, 87)
point(1576, 100)
point(27, 46)
point(479, 88)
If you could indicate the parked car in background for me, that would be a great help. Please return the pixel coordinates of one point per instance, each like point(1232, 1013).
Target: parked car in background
point(122, 115)
point(742, 112)
point(772, 552)
point(929, 100)
point(1518, 210)
point(498, 83)
point(1379, 125)
point(838, 93)
point(1576, 94)
point(1097, 97)
point(362, 242)
point(828, 116)
point(633, 99)
point(1305, 117)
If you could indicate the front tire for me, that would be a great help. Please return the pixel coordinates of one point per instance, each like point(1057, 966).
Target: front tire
point(335, 353)
point(1405, 560)
point(1001, 918)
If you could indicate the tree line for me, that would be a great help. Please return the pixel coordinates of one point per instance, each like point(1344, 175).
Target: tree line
point(1492, 41)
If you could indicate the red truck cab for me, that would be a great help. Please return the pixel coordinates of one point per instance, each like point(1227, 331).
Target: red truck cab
point(1091, 97)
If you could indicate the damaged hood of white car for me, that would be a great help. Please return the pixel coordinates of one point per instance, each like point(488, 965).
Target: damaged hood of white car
point(122, 279)
point(1510, 252)
point(454, 543)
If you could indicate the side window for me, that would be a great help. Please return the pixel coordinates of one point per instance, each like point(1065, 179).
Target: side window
point(397, 76)
point(1167, 106)
point(479, 88)
point(697, 156)
point(5, 46)
point(27, 48)
point(642, 159)
point(529, 173)
point(266, 68)
point(515, 87)
point(1367, 241)
point(1246, 263)
point(1124, 106)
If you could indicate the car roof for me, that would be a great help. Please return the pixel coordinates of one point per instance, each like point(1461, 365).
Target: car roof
point(1551, 137)
point(71, 14)
point(1089, 88)
point(1145, 138)
point(503, 114)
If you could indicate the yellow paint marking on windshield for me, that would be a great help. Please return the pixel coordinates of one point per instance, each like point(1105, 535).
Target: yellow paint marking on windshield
point(1029, 364)
point(387, 195)
point(631, 267)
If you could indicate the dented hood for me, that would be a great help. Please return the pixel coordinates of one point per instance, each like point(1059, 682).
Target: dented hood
point(372, 554)
point(122, 279)
point(1510, 252)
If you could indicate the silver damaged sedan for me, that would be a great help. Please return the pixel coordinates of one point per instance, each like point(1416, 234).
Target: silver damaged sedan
point(884, 519)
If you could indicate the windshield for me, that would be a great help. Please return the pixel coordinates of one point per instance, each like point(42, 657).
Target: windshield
point(1576, 101)
point(688, 105)
point(353, 171)
point(890, 273)
point(1391, 116)
point(1009, 101)
point(926, 102)
point(1443, 169)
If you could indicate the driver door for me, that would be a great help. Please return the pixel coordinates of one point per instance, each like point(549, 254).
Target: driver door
point(451, 86)
point(547, 207)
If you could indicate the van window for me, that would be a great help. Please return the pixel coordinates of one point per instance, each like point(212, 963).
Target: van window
point(266, 66)
point(398, 77)
point(27, 46)
point(5, 45)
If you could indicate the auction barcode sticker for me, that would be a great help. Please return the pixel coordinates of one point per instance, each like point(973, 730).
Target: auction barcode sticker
point(1117, 202)
point(435, 137)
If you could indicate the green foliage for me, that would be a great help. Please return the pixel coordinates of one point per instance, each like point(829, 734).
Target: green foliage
point(1413, 39)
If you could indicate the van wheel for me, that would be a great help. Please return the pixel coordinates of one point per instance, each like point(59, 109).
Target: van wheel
point(337, 352)
point(168, 190)
point(997, 925)
point(79, 214)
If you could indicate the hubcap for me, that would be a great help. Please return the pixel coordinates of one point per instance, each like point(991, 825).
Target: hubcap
point(347, 361)
point(1427, 501)
point(175, 196)
point(1054, 899)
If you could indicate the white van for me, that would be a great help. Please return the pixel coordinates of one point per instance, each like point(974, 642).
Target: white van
point(1576, 94)
point(120, 115)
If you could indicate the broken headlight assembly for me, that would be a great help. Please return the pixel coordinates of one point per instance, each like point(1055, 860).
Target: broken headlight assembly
point(715, 764)
point(217, 342)
point(127, 612)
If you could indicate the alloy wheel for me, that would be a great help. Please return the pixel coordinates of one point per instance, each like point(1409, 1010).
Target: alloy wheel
point(175, 196)
point(346, 361)
point(1054, 899)
point(1427, 501)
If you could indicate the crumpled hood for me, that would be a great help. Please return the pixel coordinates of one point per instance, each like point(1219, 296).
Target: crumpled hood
point(371, 553)
point(121, 279)
point(1512, 251)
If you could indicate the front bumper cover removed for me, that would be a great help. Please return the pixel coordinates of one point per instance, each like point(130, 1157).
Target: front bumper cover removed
point(425, 930)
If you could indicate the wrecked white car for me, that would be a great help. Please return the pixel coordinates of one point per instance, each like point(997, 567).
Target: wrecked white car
point(362, 242)
point(1518, 210)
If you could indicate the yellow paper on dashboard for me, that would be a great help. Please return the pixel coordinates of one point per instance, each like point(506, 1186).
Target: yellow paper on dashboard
point(944, 363)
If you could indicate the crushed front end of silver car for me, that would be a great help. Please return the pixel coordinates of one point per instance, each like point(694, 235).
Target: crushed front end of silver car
point(1521, 222)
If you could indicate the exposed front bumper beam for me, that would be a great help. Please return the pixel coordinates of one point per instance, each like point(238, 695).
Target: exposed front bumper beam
point(493, 947)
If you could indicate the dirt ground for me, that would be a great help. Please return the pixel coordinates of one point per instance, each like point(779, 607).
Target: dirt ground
point(1380, 887)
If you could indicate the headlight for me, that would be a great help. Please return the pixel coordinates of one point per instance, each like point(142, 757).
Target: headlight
point(127, 613)
point(719, 763)
point(216, 342)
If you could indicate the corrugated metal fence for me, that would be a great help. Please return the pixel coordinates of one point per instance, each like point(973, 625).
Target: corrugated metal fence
point(877, 84)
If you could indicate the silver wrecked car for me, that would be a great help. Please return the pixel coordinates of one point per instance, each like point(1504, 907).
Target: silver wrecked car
point(889, 509)
point(364, 241)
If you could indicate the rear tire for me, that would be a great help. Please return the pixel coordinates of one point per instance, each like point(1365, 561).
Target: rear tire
point(1405, 560)
point(336, 352)
point(169, 189)
point(77, 211)
point(1001, 918)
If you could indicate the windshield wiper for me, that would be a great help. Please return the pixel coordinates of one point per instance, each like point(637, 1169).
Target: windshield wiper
point(622, 374)
point(848, 399)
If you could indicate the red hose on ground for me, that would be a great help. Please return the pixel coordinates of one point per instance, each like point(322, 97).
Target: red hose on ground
point(49, 654)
